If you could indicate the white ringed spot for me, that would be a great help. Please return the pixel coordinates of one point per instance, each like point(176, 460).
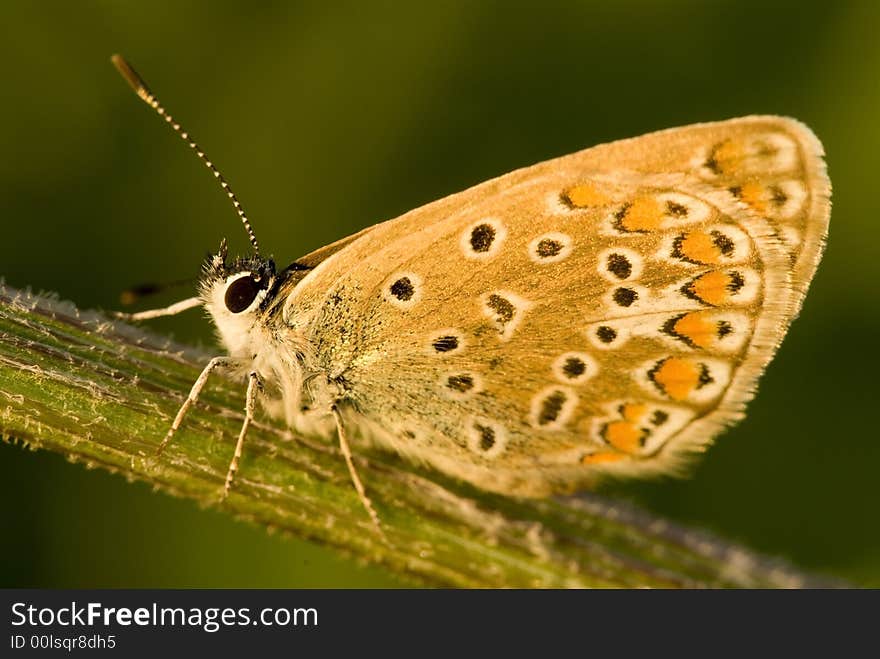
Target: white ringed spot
point(506, 310)
point(484, 437)
point(608, 335)
point(550, 248)
point(460, 385)
point(446, 342)
point(619, 264)
point(574, 367)
point(403, 290)
point(627, 299)
point(552, 407)
point(482, 239)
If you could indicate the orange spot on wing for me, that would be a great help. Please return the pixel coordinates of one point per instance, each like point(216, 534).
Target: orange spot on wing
point(711, 288)
point(585, 194)
point(643, 214)
point(677, 377)
point(696, 328)
point(624, 436)
point(699, 247)
point(601, 458)
point(634, 412)
point(727, 155)
point(755, 195)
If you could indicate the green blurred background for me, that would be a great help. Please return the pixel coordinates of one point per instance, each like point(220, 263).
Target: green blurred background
point(328, 117)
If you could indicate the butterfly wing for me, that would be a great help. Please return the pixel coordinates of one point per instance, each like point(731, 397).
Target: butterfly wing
point(609, 311)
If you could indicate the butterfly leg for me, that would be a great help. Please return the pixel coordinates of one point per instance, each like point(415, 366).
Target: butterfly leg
point(193, 396)
point(255, 385)
point(171, 310)
point(358, 485)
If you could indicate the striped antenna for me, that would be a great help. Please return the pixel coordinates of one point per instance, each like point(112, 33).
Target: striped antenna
point(140, 87)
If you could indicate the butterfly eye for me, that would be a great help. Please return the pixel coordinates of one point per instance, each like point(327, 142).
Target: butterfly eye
point(240, 294)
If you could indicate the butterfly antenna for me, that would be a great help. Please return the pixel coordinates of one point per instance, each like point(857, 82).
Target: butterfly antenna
point(140, 87)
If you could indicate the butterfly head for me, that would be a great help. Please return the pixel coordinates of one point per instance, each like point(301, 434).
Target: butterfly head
point(236, 292)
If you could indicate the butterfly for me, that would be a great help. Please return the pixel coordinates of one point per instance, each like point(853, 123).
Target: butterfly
point(604, 313)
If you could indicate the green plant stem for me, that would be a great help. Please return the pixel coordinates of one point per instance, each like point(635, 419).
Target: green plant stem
point(104, 393)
